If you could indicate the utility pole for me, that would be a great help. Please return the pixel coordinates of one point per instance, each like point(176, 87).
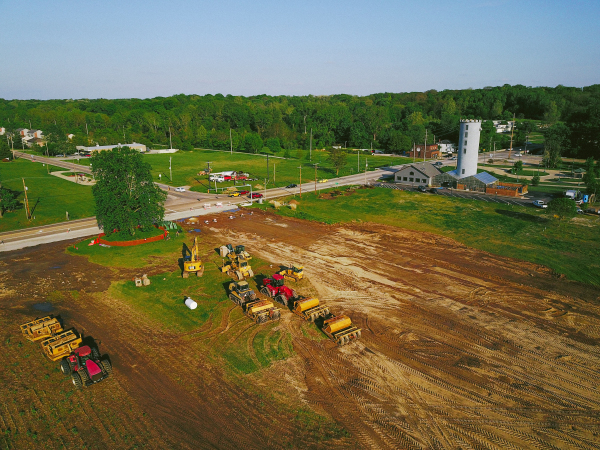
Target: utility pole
point(48, 156)
point(425, 149)
point(310, 149)
point(230, 142)
point(512, 132)
point(316, 164)
point(171, 172)
point(526, 139)
point(124, 138)
point(414, 153)
point(86, 130)
point(170, 142)
point(300, 180)
point(26, 200)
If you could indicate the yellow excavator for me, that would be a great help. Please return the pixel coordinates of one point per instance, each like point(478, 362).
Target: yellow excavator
point(191, 261)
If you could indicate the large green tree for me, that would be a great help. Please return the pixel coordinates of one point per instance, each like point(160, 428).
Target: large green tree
point(126, 197)
point(337, 158)
point(562, 208)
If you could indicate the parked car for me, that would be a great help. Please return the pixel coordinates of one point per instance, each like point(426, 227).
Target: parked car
point(324, 180)
point(234, 194)
point(179, 189)
point(579, 202)
point(244, 192)
point(579, 211)
point(256, 195)
point(539, 204)
point(291, 186)
point(422, 189)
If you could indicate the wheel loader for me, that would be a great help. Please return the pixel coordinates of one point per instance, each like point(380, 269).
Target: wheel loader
point(262, 311)
point(61, 345)
point(341, 330)
point(41, 328)
point(191, 261)
point(240, 293)
point(237, 267)
point(310, 309)
point(292, 272)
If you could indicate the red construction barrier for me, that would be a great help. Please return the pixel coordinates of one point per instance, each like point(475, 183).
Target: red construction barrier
point(131, 243)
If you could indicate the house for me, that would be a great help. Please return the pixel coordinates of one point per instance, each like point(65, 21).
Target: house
point(503, 128)
point(35, 134)
point(22, 131)
point(100, 148)
point(420, 173)
point(2, 131)
point(422, 151)
point(446, 147)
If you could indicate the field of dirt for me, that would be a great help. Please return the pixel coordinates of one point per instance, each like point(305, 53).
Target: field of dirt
point(460, 349)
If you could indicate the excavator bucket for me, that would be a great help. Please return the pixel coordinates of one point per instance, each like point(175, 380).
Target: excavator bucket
point(41, 328)
point(61, 345)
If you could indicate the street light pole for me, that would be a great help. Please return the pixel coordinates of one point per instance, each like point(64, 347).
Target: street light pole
point(310, 148)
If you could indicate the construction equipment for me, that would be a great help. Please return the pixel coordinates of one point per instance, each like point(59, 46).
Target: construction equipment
point(85, 367)
point(262, 311)
point(240, 250)
point(341, 330)
point(41, 328)
point(191, 261)
point(59, 346)
point(275, 288)
point(237, 267)
point(293, 272)
point(310, 309)
point(240, 293)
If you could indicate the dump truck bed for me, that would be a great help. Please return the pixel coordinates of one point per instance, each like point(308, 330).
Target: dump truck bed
point(60, 345)
point(43, 328)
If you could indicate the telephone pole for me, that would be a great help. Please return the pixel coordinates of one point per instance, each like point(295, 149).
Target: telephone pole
point(512, 132)
point(300, 180)
point(26, 200)
point(316, 164)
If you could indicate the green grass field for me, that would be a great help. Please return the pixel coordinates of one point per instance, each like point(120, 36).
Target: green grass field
point(50, 197)
point(571, 248)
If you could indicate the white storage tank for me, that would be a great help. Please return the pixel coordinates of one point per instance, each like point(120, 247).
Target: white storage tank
point(468, 148)
point(190, 303)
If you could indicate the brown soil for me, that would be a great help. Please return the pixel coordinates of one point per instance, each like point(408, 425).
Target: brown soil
point(460, 349)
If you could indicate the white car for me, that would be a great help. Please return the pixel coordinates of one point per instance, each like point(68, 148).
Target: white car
point(179, 189)
point(540, 204)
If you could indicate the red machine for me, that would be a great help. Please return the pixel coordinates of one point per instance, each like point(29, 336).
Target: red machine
point(275, 288)
point(85, 367)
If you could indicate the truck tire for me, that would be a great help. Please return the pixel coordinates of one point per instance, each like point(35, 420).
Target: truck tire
point(65, 367)
point(239, 275)
point(261, 319)
point(294, 295)
point(107, 366)
point(76, 379)
point(358, 334)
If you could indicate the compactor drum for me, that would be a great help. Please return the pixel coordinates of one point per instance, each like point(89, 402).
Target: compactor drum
point(43, 328)
point(341, 330)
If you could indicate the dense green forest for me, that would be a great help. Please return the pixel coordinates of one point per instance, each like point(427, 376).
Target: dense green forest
point(570, 119)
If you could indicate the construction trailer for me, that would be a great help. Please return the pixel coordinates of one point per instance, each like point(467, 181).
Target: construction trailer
point(43, 328)
point(262, 311)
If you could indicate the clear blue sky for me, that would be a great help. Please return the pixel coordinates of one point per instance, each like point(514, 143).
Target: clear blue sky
point(126, 48)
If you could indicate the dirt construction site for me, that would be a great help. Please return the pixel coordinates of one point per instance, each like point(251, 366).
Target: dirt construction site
point(460, 349)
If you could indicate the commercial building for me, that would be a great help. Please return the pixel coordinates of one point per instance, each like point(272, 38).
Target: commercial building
point(417, 174)
point(425, 152)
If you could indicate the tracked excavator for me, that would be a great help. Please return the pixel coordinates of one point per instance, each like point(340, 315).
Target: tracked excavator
point(191, 261)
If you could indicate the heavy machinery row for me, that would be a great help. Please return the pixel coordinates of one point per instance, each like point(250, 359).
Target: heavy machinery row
point(81, 362)
point(236, 263)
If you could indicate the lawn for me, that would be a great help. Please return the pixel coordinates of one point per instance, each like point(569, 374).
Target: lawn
point(571, 248)
point(50, 197)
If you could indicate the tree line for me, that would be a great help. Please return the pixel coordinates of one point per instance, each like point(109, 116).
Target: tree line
point(390, 121)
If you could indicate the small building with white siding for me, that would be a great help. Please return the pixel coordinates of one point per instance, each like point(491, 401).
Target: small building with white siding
point(419, 174)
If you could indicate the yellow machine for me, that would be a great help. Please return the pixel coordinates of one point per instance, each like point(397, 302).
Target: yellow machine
point(262, 311)
point(61, 345)
point(191, 261)
point(310, 309)
point(237, 267)
point(293, 272)
point(41, 328)
point(341, 330)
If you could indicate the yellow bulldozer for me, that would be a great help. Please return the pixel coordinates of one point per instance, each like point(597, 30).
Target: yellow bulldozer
point(43, 328)
point(237, 267)
point(293, 272)
point(191, 261)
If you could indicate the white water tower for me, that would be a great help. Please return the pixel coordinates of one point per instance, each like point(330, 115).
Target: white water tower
point(468, 148)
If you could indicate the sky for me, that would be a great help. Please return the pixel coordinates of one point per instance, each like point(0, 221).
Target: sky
point(142, 49)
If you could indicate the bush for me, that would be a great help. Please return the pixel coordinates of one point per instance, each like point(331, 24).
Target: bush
point(535, 181)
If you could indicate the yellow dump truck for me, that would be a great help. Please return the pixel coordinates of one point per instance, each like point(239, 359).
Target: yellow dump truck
point(341, 330)
point(41, 328)
point(61, 345)
point(310, 309)
point(262, 311)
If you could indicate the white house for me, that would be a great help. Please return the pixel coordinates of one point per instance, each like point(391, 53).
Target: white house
point(420, 174)
point(2, 131)
point(446, 146)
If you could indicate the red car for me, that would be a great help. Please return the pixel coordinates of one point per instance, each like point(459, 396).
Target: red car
point(256, 195)
point(244, 192)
